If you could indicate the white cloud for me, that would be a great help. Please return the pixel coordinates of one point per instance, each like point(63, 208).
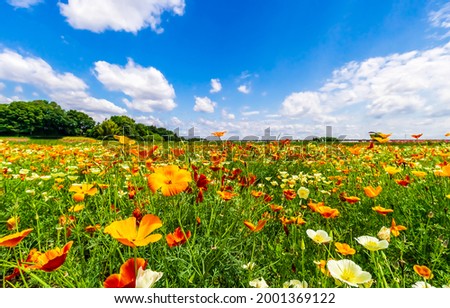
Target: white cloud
point(119, 15)
point(244, 89)
point(204, 104)
point(176, 121)
point(2, 86)
point(228, 116)
point(65, 88)
point(147, 87)
point(23, 4)
point(5, 100)
point(216, 86)
point(36, 71)
point(18, 89)
point(250, 113)
point(82, 101)
point(411, 85)
point(301, 104)
point(441, 18)
point(149, 120)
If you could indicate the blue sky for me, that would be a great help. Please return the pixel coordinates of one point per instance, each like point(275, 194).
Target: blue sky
point(236, 65)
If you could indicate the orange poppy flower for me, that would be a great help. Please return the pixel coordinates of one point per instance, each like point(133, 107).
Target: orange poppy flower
point(315, 206)
point(50, 260)
point(447, 134)
point(218, 134)
point(444, 171)
point(257, 194)
point(81, 190)
point(344, 249)
point(125, 231)
point(417, 136)
point(127, 276)
point(423, 271)
point(226, 195)
point(276, 208)
point(256, 228)
point(171, 179)
point(298, 220)
point(372, 192)
point(289, 194)
point(351, 199)
point(381, 210)
point(178, 237)
point(327, 212)
point(13, 239)
point(404, 182)
point(395, 229)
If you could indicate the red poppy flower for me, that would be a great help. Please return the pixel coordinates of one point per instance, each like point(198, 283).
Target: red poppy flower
point(226, 195)
point(178, 237)
point(405, 182)
point(13, 239)
point(127, 276)
point(289, 194)
point(50, 260)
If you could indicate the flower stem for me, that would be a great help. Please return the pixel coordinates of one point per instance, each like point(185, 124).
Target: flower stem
point(379, 270)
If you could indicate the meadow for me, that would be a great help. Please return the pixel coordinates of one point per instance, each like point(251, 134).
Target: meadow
point(90, 214)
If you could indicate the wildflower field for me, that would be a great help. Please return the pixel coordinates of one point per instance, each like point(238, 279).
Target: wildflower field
point(224, 214)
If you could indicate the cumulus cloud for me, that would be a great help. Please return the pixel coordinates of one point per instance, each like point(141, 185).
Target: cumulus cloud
point(147, 87)
point(23, 4)
point(204, 104)
point(65, 88)
point(216, 86)
point(412, 83)
point(119, 15)
point(244, 89)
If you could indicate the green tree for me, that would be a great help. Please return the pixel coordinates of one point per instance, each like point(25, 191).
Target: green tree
point(79, 123)
point(106, 129)
point(146, 134)
point(126, 125)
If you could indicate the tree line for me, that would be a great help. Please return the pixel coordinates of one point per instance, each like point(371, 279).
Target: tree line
point(40, 118)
